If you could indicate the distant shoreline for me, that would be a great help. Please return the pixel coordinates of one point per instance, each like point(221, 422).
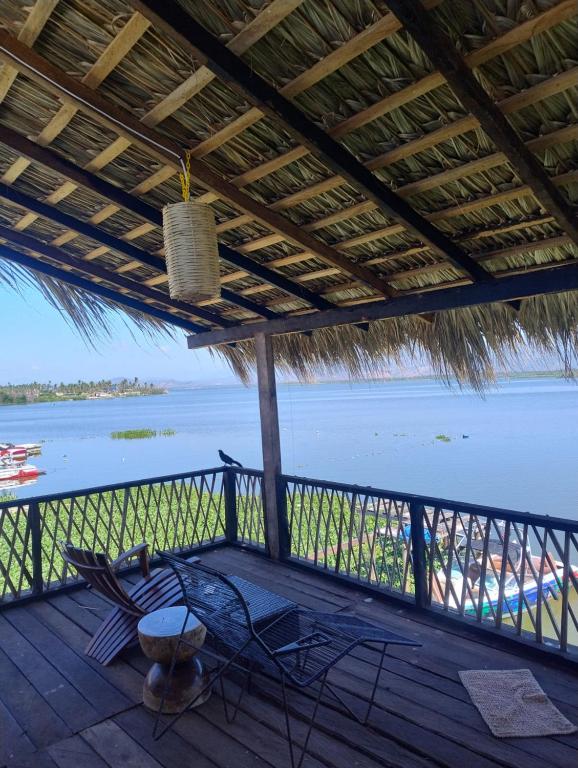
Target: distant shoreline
point(50, 397)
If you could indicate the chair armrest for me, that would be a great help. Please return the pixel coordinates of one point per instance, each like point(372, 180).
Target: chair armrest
point(140, 550)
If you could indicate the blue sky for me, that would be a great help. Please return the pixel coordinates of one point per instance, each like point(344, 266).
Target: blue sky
point(38, 344)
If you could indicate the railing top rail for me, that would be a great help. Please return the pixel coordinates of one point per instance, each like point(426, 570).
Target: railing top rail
point(431, 501)
point(113, 487)
point(246, 471)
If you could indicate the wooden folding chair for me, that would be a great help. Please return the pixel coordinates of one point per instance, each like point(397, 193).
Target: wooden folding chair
point(155, 590)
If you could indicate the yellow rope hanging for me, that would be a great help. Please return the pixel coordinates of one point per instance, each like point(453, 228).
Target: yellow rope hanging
point(185, 176)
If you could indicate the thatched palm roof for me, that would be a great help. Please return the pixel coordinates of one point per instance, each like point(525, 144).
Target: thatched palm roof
point(352, 70)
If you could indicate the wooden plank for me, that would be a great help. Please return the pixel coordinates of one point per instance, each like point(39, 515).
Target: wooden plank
point(75, 753)
point(59, 165)
point(442, 53)
point(93, 287)
point(74, 621)
point(397, 99)
point(251, 33)
point(357, 45)
point(117, 748)
point(21, 641)
point(194, 38)
point(270, 441)
point(14, 740)
point(453, 645)
point(475, 166)
point(43, 725)
point(89, 696)
point(63, 259)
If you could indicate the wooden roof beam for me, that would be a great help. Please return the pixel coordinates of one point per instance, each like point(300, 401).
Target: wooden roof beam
point(110, 241)
point(131, 130)
point(195, 39)
point(82, 177)
point(544, 281)
point(89, 268)
point(439, 48)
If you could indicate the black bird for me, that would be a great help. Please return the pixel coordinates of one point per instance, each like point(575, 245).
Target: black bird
point(228, 460)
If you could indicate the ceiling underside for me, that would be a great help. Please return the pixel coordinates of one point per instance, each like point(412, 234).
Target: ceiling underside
point(376, 178)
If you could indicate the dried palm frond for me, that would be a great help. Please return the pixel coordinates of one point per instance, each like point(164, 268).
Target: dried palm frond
point(88, 314)
point(465, 345)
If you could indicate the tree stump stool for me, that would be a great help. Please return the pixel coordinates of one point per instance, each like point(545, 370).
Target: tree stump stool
point(159, 634)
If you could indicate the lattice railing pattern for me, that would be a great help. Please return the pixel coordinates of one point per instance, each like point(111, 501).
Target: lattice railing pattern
point(514, 575)
point(177, 513)
point(356, 533)
point(249, 506)
point(16, 575)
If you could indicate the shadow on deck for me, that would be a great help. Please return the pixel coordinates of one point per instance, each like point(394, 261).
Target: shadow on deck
point(58, 708)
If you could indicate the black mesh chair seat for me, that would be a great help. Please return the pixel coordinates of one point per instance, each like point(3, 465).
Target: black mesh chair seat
point(256, 631)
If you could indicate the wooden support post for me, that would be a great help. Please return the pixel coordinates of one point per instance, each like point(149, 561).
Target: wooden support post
point(230, 492)
point(269, 439)
point(417, 515)
point(36, 548)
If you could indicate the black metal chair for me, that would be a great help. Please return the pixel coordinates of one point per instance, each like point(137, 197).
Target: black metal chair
point(270, 636)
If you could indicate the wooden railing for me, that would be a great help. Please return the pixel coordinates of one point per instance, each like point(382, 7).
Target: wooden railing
point(179, 513)
point(502, 571)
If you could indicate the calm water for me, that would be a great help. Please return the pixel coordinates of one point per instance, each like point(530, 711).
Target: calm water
point(521, 451)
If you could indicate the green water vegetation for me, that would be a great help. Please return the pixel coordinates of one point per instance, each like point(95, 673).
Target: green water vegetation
point(51, 392)
point(444, 438)
point(340, 534)
point(141, 434)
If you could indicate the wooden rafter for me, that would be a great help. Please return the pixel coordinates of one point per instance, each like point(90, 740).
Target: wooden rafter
point(109, 241)
point(66, 261)
point(544, 281)
point(114, 194)
point(167, 151)
point(194, 38)
point(439, 48)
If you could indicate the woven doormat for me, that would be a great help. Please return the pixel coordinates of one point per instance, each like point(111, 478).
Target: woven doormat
point(513, 704)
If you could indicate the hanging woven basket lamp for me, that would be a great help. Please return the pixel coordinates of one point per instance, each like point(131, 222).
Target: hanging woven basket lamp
point(191, 247)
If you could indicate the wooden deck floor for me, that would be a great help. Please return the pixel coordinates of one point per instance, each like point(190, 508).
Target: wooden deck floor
point(57, 708)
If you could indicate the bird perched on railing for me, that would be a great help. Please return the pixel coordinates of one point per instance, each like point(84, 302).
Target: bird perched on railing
point(228, 460)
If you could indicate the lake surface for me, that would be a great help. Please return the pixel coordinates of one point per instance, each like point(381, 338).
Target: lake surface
point(521, 449)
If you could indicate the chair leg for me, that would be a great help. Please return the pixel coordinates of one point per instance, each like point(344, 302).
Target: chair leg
point(365, 718)
point(244, 688)
point(215, 675)
point(310, 727)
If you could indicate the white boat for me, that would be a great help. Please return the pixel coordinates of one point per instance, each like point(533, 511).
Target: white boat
point(18, 471)
point(32, 449)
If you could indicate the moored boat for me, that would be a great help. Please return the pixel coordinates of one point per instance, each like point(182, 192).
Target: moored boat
point(521, 582)
point(18, 471)
point(26, 449)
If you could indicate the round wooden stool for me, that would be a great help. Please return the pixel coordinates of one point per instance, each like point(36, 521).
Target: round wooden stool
point(159, 633)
